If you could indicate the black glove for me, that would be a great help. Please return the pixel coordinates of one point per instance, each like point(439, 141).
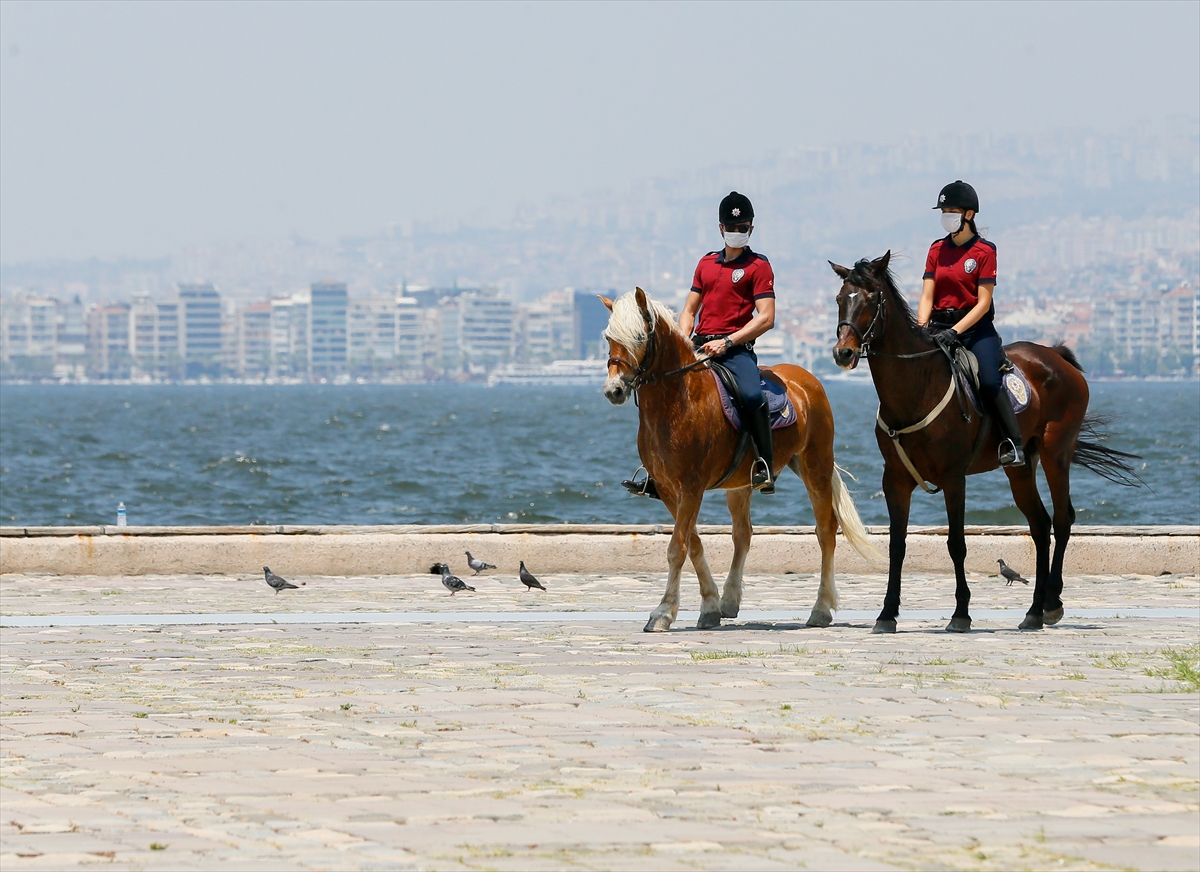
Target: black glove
point(947, 338)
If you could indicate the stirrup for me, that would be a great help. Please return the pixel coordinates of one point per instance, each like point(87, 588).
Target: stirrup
point(760, 477)
point(643, 488)
point(1010, 453)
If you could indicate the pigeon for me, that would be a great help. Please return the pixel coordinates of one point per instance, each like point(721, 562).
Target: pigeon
point(1011, 574)
point(452, 582)
point(528, 578)
point(278, 582)
point(478, 565)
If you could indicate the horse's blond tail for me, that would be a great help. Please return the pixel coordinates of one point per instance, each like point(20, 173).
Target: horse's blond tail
point(852, 526)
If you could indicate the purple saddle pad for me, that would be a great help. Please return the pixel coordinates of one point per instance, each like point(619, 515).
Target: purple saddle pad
point(1015, 383)
point(779, 405)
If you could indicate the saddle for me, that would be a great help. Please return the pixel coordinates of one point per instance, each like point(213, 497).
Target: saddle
point(780, 410)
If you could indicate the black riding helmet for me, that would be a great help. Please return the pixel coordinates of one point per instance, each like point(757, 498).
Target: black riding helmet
point(958, 195)
point(735, 209)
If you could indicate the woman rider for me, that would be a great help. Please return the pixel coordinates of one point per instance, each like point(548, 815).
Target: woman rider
point(956, 304)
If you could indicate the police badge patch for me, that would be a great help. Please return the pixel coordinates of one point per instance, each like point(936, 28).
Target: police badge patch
point(737, 275)
point(1018, 390)
point(970, 265)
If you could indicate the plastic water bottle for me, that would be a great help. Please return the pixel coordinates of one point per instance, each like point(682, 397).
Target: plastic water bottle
point(121, 515)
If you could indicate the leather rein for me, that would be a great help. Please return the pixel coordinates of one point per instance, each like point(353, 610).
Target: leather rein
point(639, 371)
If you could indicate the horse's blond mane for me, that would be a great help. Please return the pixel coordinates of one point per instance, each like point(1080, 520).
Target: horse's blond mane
point(626, 326)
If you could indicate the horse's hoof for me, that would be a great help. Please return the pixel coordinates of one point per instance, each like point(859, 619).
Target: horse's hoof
point(708, 620)
point(884, 627)
point(1031, 622)
point(959, 625)
point(729, 610)
point(822, 618)
point(657, 624)
point(1053, 616)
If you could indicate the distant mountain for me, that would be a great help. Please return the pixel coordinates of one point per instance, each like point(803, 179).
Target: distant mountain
point(1095, 196)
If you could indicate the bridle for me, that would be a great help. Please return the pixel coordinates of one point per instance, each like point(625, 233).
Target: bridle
point(865, 337)
point(639, 370)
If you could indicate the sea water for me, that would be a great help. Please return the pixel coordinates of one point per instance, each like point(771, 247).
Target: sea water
point(453, 454)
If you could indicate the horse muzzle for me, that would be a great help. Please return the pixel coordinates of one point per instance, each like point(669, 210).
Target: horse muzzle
point(845, 356)
point(616, 390)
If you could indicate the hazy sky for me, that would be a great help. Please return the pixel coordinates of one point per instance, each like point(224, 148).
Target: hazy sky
point(134, 129)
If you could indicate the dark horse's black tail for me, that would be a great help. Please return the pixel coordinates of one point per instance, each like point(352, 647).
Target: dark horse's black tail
point(1106, 462)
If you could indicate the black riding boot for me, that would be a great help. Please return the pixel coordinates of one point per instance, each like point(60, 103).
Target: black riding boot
point(1011, 451)
point(762, 473)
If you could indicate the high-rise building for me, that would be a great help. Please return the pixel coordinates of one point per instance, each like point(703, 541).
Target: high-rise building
point(410, 337)
point(253, 332)
point(108, 341)
point(200, 316)
point(485, 332)
point(327, 330)
point(590, 319)
point(371, 347)
point(290, 335)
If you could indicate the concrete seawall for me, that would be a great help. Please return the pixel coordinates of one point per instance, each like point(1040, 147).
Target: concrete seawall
point(561, 548)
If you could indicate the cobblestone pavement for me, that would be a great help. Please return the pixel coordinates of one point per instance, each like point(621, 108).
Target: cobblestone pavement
point(449, 745)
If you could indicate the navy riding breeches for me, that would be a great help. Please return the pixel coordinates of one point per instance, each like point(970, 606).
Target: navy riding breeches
point(743, 363)
point(984, 341)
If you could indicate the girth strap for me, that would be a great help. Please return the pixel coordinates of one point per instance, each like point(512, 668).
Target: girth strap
point(895, 435)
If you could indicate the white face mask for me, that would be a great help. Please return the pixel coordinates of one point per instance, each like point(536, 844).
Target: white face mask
point(737, 240)
point(952, 221)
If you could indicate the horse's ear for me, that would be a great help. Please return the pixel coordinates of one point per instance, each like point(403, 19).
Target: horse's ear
point(640, 297)
point(606, 301)
point(881, 263)
point(841, 271)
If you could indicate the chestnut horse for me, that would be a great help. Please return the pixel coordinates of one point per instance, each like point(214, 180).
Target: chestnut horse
point(687, 446)
point(913, 380)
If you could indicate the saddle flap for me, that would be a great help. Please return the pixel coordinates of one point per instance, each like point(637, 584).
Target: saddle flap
point(780, 410)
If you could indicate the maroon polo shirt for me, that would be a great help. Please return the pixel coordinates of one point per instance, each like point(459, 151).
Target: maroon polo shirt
point(729, 290)
point(958, 271)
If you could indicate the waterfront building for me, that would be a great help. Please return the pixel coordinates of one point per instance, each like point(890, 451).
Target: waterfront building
point(372, 344)
point(200, 340)
point(410, 336)
point(289, 335)
point(252, 354)
point(589, 318)
point(143, 335)
point(327, 329)
point(1159, 323)
point(485, 330)
point(108, 341)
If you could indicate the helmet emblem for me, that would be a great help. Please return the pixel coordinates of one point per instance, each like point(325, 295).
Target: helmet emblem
point(737, 213)
point(737, 275)
point(941, 198)
point(970, 265)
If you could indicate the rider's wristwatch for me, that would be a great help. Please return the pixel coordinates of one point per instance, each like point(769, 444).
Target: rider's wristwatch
point(728, 343)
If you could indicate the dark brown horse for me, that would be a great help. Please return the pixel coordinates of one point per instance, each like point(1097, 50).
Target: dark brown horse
point(687, 446)
point(913, 380)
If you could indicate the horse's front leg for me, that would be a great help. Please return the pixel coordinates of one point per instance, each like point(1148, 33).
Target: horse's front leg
point(738, 500)
point(685, 512)
point(897, 491)
point(955, 493)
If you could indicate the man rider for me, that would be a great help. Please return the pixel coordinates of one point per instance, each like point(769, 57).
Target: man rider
point(734, 292)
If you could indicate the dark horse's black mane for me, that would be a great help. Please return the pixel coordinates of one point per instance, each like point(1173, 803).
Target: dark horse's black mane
point(865, 275)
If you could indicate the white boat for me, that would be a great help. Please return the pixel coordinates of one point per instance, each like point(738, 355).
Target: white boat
point(560, 372)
